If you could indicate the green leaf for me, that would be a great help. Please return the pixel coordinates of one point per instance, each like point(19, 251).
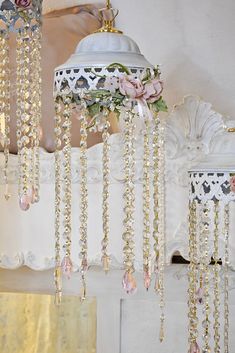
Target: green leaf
point(160, 105)
point(94, 109)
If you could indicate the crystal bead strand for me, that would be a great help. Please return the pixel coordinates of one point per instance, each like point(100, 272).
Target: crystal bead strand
point(216, 312)
point(23, 116)
point(36, 108)
point(161, 240)
point(226, 280)
point(19, 110)
point(146, 207)
point(156, 198)
point(105, 195)
point(201, 266)
point(83, 200)
point(205, 219)
point(129, 282)
point(67, 265)
point(192, 278)
point(5, 103)
point(58, 143)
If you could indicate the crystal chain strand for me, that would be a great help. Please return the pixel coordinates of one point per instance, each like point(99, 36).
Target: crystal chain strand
point(226, 280)
point(105, 195)
point(129, 282)
point(67, 187)
point(57, 270)
point(156, 198)
point(5, 103)
point(161, 190)
point(146, 207)
point(23, 117)
point(84, 201)
point(216, 312)
point(201, 266)
point(192, 279)
point(36, 108)
point(205, 219)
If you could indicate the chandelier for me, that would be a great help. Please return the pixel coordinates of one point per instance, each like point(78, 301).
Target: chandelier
point(211, 192)
point(21, 20)
point(107, 77)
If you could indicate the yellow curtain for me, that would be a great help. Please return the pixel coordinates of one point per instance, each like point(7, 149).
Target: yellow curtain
point(31, 323)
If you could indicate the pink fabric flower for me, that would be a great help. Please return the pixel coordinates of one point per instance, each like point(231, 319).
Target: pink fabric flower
point(153, 90)
point(131, 87)
point(232, 183)
point(111, 84)
point(23, 3)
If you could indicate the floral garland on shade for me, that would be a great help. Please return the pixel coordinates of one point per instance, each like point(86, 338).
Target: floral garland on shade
point(26, 10)
point(125, 92)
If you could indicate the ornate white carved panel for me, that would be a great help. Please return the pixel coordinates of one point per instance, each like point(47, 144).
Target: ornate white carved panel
point(194, 133)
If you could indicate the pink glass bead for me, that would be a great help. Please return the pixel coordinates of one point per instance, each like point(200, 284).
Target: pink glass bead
point(31, 194)
point(147, 279)
point(24, 202)
point(194, 348)
point(129, 283)
point(67, 266)
point(199, 295)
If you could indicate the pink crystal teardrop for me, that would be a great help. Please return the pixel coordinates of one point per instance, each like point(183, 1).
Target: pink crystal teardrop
point(147, 279)
point(194, 348)
point(129, 283)
point(67, 266)
point(199, 295)
point(24, 202)
point(31, 194)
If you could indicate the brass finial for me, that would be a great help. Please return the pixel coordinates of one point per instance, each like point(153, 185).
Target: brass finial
point(231, 129)
point(107, 16)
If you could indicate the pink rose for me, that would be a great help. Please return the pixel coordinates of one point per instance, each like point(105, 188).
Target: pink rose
point(232, 183)
point(131, 87)
point(153, 90)
point(23, 3)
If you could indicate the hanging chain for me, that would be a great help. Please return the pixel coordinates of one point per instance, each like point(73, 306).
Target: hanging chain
point(159, 215)
point(216, 312)
point(36, 92)
point(129, 283)
point(5, 84)
point(146, 207)
point(84, 200)
point(205, 219)
point(226, 280)
point(58, 143)
point(192, 279)
point(105, 194)
point(67, 265)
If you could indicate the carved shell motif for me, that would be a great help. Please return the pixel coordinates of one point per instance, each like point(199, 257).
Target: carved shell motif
point(190, 129)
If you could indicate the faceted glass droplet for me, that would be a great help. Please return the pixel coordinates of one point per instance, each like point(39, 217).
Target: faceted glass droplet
point(24, 202)
point(200, 295)
point(31, 194)
point(129, 283)
point(147, 279)
point(58, 298)
point(67, 266)
point(105, 262)
point(194, 348)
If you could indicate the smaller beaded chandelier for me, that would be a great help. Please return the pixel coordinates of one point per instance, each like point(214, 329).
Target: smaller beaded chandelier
point(209, 213)
point(22, 18)
point(108, 76)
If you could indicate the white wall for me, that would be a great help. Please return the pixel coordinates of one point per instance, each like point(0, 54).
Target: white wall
point(194, 42)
